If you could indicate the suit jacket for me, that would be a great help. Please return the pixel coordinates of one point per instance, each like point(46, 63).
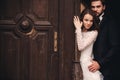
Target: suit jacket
point(107, 46)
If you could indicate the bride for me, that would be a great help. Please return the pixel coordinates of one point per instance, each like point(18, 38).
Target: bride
point(86, 29)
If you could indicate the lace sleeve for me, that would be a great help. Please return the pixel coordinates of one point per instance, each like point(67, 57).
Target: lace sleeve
point(85, 40)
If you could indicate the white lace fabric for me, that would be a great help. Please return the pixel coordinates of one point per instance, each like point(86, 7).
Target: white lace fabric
point(85, 41)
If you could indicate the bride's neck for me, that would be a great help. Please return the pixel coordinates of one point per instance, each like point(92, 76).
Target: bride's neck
point(84, 30)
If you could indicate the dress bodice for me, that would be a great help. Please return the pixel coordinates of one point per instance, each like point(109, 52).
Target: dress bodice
point(85, 41)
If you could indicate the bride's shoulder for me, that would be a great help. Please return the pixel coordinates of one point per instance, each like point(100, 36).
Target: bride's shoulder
point(93, 32)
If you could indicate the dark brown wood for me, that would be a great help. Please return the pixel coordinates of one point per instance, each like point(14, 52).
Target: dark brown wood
point(27, 39)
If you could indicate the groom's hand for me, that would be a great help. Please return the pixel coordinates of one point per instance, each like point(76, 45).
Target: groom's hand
point(94, 66)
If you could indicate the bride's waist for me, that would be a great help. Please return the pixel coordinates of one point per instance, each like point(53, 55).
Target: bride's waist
point(87, 58)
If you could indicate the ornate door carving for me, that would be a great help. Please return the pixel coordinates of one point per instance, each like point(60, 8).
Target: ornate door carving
point(27, 39)
point(37, 40)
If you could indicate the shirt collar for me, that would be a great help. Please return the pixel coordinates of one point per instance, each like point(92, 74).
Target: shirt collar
point(101, 16)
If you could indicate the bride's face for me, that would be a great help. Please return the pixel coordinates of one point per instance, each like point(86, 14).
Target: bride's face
point(87, 21)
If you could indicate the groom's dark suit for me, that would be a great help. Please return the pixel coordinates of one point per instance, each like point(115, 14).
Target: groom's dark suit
point(106, 48)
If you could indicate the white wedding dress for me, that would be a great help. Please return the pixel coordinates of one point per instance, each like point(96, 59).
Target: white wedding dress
point(85, 41)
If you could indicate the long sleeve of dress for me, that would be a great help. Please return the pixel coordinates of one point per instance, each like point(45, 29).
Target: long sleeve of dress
point(84, 39)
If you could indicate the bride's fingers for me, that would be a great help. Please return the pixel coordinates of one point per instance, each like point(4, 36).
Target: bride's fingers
point(76, 18)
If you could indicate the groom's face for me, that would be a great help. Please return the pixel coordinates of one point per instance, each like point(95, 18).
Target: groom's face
point(97, 7)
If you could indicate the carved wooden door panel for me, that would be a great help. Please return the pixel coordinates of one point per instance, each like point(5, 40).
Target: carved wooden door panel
point(27, 32)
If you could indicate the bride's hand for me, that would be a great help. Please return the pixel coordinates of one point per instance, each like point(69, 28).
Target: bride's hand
point(77, 22)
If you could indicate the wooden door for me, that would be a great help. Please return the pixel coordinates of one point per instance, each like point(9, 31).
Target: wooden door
point(37, 39)
point(27, 39)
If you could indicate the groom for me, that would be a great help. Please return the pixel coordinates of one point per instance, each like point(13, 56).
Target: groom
point(107, 46)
